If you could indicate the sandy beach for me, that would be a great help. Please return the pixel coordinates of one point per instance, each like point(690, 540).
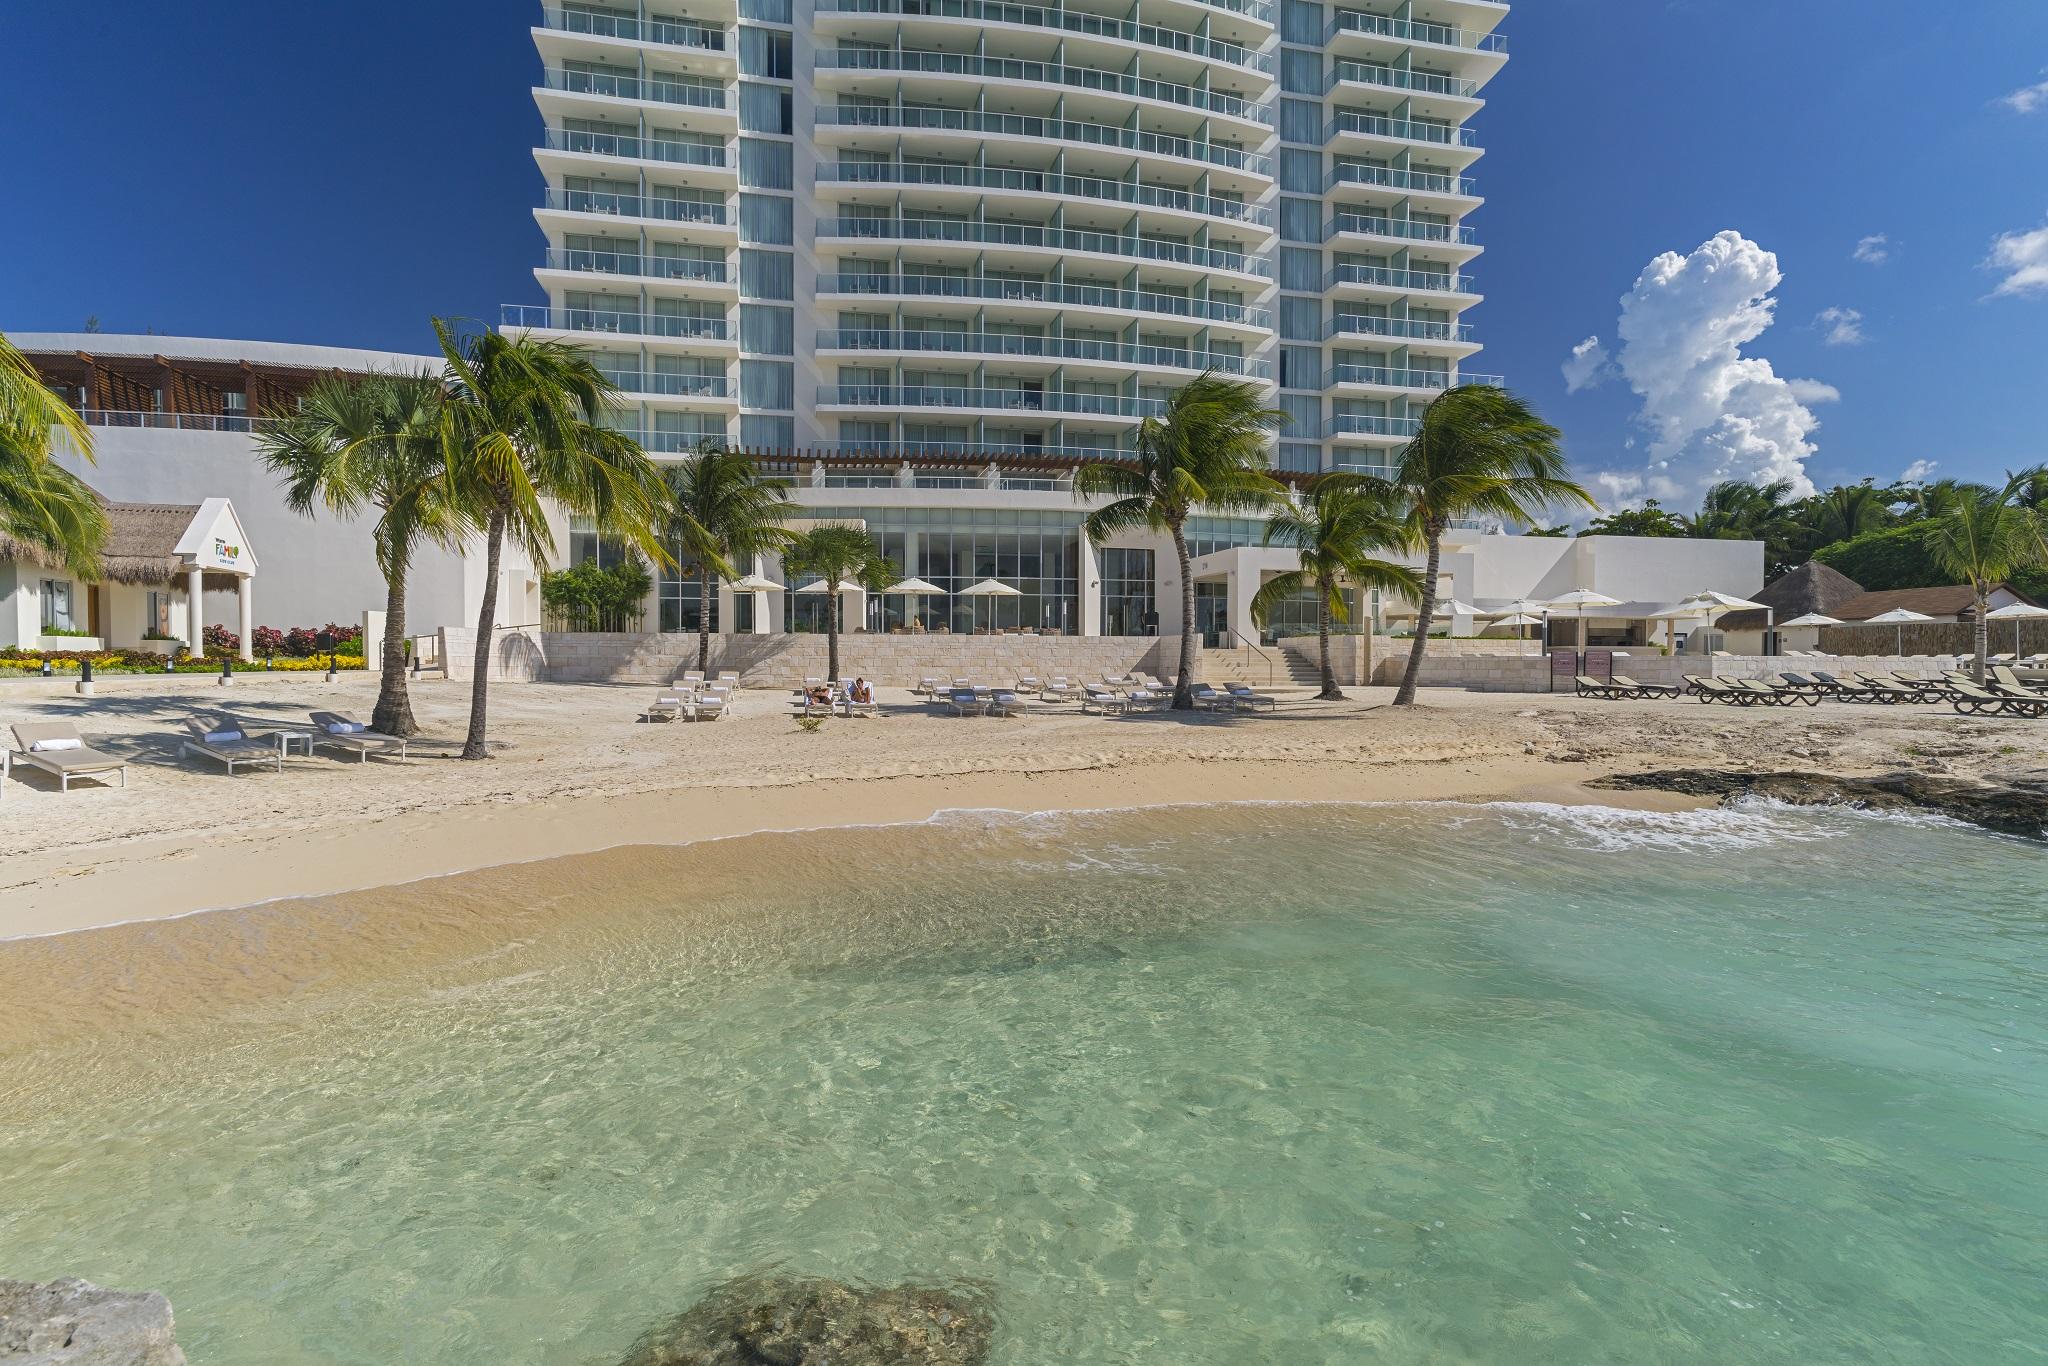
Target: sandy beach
point(575, 771)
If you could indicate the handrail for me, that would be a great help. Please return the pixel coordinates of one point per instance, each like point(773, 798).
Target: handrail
point(1445, 281)
point(1036, 126)
point(1408, 229)
point(999, 233)
point(171, 422)
point(616, 205)
point(1412, 31)
point(1042, 182)
point(667, 32)
point(626, 86)
point(1388, 177)
point(1044, 73)
point(1416, 329)
point(1251, 650)
point(1065, 20)
point(1405, 130)
point(1046, 292)
point(649, 267)
point(1399, 78)
point(635, 148)
point(1050, 348)
point(970, 396)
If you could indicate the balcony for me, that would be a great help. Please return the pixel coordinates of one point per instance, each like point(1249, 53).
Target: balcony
point(1399, 78)
point(646, 88)
point(1410, 31)
point(1366, 425)
point(637, 206)
point(636, 149)
point(1054, 74)
point(644, 267)
point(1399, 130)
point(1385, 277)
point(1403, 228)
point(1383, 378)
point(1044, 130)
point(991, 449)
point(1413, 182)
point(1040, 348)
point(672, 386)
point(615, 323)
point(1058, 20)
point(1411, 329)
point(1031, 235)
point(1042, 183)
point(1107, 297)
point(1003, 400)
point(668, 33)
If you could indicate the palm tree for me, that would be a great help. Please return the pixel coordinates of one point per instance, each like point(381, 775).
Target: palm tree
point(374, 442)
point(1480, 452)
point(1340, 521)
point(43, 506)
point(722, 514)
point(844, 557)
point(1983, 538)
point(522, 424)
point(1206, 450)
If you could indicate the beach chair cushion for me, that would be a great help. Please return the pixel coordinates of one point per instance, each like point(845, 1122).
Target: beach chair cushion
point(52, 745)
point(223, 737)
point(346, 728)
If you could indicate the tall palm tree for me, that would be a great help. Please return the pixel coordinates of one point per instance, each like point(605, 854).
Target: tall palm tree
point(523, 425)
point(844, 557)
point(1206, 450)
point(374, 442)
point(44, 506)
point(1983, 538)
point(1340, 521)
point(722, 514)
point(1480, 452)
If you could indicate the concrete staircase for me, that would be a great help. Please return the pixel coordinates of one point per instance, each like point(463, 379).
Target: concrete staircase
point(1271, 667)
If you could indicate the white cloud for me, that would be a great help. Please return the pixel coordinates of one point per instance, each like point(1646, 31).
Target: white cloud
point(2027, 98)
point(1813, 391)
point(1844, 326)
point(1919, 472)
point(1873, 250)
point(1712, 413)
point(1586, 367)
point(2024, 258)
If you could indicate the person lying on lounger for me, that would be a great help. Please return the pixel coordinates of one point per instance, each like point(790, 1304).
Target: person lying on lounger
point(820, 696)
point(861, 691)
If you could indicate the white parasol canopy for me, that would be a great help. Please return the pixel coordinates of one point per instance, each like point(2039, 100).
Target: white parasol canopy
point(991, 588)
point(915, 588)
point(1898, 617)
point(814, 586)
point(1817, 619)
point(756, 583)
point(1518, 620)
point(1576, 602)
point(2016, 613)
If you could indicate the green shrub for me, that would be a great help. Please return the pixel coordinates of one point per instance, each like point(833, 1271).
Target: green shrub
point(587, 598)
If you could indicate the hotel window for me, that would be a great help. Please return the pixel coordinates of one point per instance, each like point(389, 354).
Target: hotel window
point(761, 432)
point(56, 596)
point(586, 545)
point(765, 109)
point(767, 384)
point(765, 52)
point(157, 622)
point(767, 219)
point(767, 165)
point(767, 274)
point(1129, 607)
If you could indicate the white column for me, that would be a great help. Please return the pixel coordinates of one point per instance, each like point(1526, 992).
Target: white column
point(245, 599)
point(195, 611)
point(1089, 587)
point(1241, 582)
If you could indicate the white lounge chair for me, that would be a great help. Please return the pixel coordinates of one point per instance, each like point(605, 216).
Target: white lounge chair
point(57, 748)
point(666, 706)
point(691, 678)
point(332, 730)
point(225, 739)
point(1248, 699)
point(1117, 682)
point(1059, 689)
point(1003, 702)
point(1029, 683)
point(1102, 700)
point(728, 680)
point(1208, 699)
point(1149, 683)
point(966, 702)
point(929, 685)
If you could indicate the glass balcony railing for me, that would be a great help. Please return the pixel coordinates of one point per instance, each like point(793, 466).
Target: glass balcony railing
point(1403, 379)
point(1399, 78)
point(1047, 292)
point(914, 448)
point(1041, 182)
point(1051, 239)
point(1387, 277)
point(652, 88)
point(1061, 20)
point(672, 386)
point(637, 149)
point(1411, 31)
point(618, 322)
point(668, 32)
point(1044, 73)
point(1415, 329)
point(1388, 178)
point(1039, 348)
point(1401, 130)
point(1008, 400)
point(1407, 229)
point(636, 206)
point(641, 265)
point(1362, 424)
point(1045, 129)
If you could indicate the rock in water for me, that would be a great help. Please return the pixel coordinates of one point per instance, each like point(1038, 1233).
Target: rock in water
point(71, 1322)
point(810, 1321)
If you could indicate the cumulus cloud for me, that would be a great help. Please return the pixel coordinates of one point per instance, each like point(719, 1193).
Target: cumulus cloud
point(1919, 472)
point(2023, 256)
point(1586, 367)
point(1844, 326)
point(1873, 250)
point(2027, 98)
point(1711, 413)
point(1813, 391)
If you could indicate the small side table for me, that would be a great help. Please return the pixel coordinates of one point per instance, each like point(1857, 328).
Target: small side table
point(286, 737)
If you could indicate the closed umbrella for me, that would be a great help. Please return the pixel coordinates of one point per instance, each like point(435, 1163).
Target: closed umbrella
point(1897, 617)
point(2016, 613)
point(1576, 602)
point(990, 588)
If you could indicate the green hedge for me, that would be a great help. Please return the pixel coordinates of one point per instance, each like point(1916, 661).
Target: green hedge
point(1897, 557)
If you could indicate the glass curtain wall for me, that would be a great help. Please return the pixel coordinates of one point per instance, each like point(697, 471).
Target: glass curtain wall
point(1036, 552)
point(1129, 600)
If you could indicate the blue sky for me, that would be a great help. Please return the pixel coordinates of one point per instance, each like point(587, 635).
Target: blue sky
point(308, 174)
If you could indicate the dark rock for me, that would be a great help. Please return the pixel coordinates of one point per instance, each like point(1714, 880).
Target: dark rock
point(810, 1321)
point(71, 1322)
point(2016, 808)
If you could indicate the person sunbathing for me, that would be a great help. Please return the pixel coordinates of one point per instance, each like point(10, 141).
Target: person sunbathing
point(861, 691)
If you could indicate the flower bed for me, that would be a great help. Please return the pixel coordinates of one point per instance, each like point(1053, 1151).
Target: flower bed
point(109, 663)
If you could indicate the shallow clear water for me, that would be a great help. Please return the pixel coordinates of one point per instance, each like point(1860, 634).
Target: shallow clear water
point(1223, 1085)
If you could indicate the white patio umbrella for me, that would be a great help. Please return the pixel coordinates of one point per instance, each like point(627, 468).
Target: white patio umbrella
point(1816, 619)
point(1450, 609)
point(1577, 601)
point(756, 583)
point(2016, 613)
point(1714, 603)
point(914, 588)
point(1518, 620)
point(1897, 617)
point(991, 588)
point(1672, 614)
point(814, 586)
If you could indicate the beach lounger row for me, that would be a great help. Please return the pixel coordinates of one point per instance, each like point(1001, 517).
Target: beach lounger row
point(57, 748)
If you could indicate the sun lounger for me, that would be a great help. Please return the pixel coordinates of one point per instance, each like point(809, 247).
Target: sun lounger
point(928, 686)
point(966, 702)
point(728, 680)
point(1029, 683)
point(58, 749)
point(1249, 700)
point(1642, 690)
point(1208, 699)
point(1972, 700)
point(1893, 690)
point(1587, 686)
point(1003, 702)
point(225, 739)
point(1765, 694)
point(711, 704)
point(1102, 700)
point(1714, 690)
point(691, 678)
point(1117, 682)
point(1059, 689)
point(1149, 683)
point(332, 730)
point(666, 706)
point(2011, 682)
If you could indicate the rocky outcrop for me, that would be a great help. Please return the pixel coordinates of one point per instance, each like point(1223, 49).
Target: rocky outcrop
point(2016, 808)
point(76, 1323)
point(809, 1321)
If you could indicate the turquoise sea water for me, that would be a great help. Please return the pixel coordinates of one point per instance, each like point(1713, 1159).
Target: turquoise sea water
point(1505, 1084)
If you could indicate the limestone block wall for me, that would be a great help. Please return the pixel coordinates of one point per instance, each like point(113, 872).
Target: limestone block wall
point(518, 655)
point(893, 661)
point(1509, 673)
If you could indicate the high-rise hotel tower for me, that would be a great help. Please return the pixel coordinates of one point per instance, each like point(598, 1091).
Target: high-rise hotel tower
point(963, 227)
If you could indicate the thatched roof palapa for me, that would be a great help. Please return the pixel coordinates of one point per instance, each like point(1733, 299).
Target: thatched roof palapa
point(141, 548)
point(1812, 587)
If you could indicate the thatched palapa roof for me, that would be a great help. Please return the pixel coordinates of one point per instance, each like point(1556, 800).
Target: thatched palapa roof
point(141, 549)
point(1812, 587)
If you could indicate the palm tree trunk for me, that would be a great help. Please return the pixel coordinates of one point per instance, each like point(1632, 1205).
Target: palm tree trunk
point(1331, 692)
point(832, 608)
point(1982, 631)
point(1427, 608)
point(1184, 682)
point(486, 620)
point(393, 715)
point(703, 622)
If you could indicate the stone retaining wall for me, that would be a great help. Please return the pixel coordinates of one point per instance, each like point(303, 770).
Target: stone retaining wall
point(518, 655)
point(893, 661)
point(1508, 673)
